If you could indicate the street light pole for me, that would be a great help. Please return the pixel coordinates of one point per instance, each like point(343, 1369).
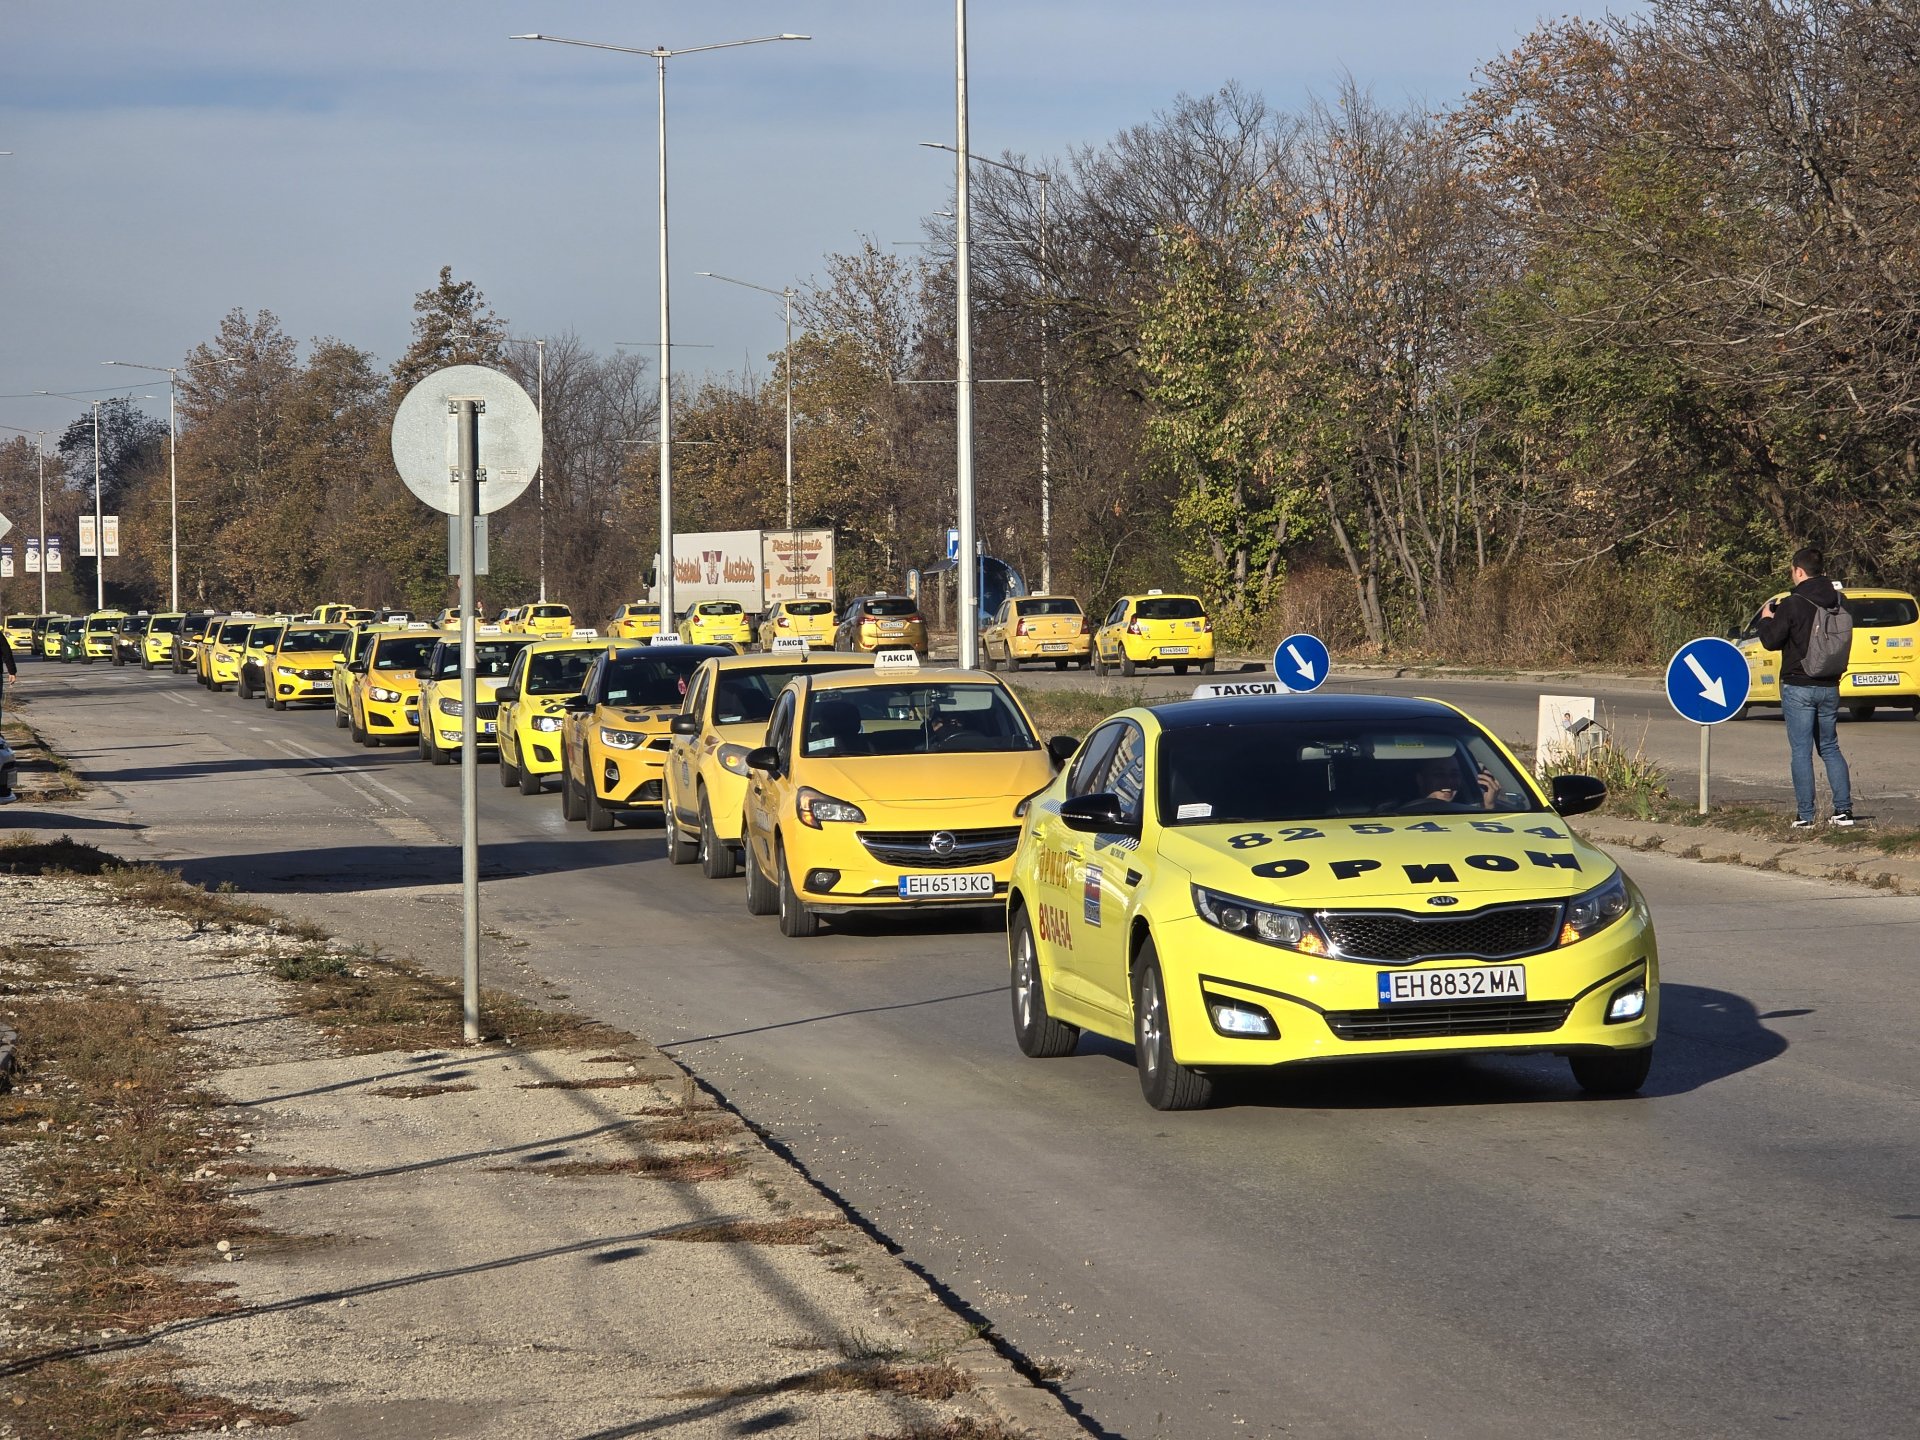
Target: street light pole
point(540, 405)
point(785, 295)
point(969, 566)
point(40, 452)
point(660, 54)
point(173, 460)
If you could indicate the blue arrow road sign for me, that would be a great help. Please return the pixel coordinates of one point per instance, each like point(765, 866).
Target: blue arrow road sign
point(1301, 663)
point(1707, 680)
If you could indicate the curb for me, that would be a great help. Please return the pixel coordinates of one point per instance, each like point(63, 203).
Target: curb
point(9, 1041)
point(1900, 874)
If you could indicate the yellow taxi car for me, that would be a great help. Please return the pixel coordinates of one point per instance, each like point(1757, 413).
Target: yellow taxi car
point(808, 620)
point(384, 700)
point(19, 632)
point(636, 620)
point(1883, 667)
point(193, 635)
point(1154, 629)
point(358, 643)
point(300, 665)
point(881, 622)
point(156, 643)
point(548, 620)
point(716, 622)
point(256, 654)
point(101, 627)
point(1039, 630)
point(614, 739)
point(894, 787)
point(1244, 883)
point(223, 654)
point(545, 675)
point(440, 703)
point(726, 717)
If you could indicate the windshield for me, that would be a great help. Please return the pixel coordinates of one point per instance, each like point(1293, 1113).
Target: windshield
point(648, 679)
point(403, 652)
point(1174, 607)
point(1316, 770)
point(809, 607)
point(892, 607)
point(742, 697)
point(102, 622)
point(263, 636)
point(718, 607)
point(915, 720)
point(1882, 613)
point(234, 634)
point(559, 672)
point(300, 639)
point(491, 658)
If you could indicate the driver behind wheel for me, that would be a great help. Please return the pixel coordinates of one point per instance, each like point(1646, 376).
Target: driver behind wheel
point(1440, 779)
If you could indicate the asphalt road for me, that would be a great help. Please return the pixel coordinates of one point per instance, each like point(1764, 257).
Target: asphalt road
point(1469, 1249)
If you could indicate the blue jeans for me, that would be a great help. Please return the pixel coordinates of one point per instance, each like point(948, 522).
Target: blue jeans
point(1812, 713)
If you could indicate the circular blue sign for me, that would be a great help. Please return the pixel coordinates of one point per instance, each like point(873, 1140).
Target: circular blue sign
point(1707, 680)
point(1300, 662)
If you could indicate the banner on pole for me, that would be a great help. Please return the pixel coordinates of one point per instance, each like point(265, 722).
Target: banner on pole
point(53, 554)
point(110, 536)
point(88, 551)
point(6, 562)
point(33, 554)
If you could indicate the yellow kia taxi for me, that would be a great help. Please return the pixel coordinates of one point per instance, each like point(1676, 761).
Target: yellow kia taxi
point(1154, 629)
point(716, 622)
point(725, 718)
point(357, 646)
point(223, 655)
point(300, 666)
point(256, 655)
point(549, 621)
point(637, 620)
point(808, 620)
point(545, 675)
point(614, 741)
point(889, 787)
point(1883, 667)
point(384, 699)
point(102, 625)
point(440, 704)
point(1244, 883)
point(1037, 630)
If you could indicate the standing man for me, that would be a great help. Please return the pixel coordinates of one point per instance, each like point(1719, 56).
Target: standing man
point(1810, 703)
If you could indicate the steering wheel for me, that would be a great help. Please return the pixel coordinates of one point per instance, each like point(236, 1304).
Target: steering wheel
point(1425, 805)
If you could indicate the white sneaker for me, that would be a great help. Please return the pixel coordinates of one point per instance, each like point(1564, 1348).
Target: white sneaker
point(1841, 819)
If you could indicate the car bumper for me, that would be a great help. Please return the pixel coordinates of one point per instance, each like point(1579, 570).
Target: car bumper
point(296, 691)
point(1025, 647)
point(629, 779)
point(833, 870)
point(537, 751)
point(392, 717)
point(908, 641)
point(1142, 651)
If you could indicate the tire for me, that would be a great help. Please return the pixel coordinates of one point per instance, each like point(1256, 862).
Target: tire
point(360, 737)
point(987, 662)
point(1617, 1072)
point(280, 705)
point(797, 919)
point(762, 898)
point(509, 772)
point(571, 807)
point(1127, 667)
point(1179, 667)
point(1059, 664)
point(1036, 1032)
point(1742, 713)
point(680, 850)
point(1206, 667)
point(530, 783)
point(1914, 712)
point(146, 664)
point(1860, 712)
point(1167, 1084)
point(716, 855)
point(240, 690)
point(599, 816)
point(1098, 665)
point(433, 753)
point(339, 718)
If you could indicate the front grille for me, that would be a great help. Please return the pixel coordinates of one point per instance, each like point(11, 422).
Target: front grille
point(487, 709)
point(1428, 1022)
point(916, 850)
point(314, 674)
point(1502, 933)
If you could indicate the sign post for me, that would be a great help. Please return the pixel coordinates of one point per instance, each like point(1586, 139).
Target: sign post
point(1707, 683)
point(1301, 662)
point(466, 440)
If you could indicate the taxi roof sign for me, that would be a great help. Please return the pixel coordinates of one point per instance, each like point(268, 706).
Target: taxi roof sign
point(1233, 689)
point(896, 659)
point(585, 632)
point(789, 642)
point(665, 637)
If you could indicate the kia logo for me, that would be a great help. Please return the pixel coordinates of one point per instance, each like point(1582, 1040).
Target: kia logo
point(1441, 900)
point(943, 842)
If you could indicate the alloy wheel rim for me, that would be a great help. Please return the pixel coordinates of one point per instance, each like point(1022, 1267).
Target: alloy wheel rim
point(1023, 981)
point(1150, 1024)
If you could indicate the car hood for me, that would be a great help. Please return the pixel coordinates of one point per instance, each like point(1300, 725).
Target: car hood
point(940, 779)
point(622, 718)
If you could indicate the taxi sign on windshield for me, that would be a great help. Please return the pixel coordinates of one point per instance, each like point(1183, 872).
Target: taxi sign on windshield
point(790, 642)
point(896, 660)
point(1229, 689)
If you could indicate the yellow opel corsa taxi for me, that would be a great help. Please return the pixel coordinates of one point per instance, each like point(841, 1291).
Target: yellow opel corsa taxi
point(808, 620)
point(300, 668)
point(545, 675)
point(613, 745)
point(1245, 883)
point(716, 622)
point(1038, 629)
point(636, 620)
point(385, 696)
point(356, 649)
point(256, 654)
point(725, 718)
point(440, 704)
point(1883, 667)
point(550, 621)
point(890, 787)
point(1154, 629)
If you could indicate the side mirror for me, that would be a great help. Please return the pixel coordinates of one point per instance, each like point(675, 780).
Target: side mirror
point(357, 667)
point(1062, 748)
point(579, 705)
point(1098, 814)
point(766, 760)
point(1577, 794)
point(425, 672)
point(684, 725)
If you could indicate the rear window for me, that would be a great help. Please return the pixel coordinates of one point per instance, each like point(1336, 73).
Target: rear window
point(551, 612)
point(719, 607)
point(643, 610)
point(1882, 613)
point(1170, 607)
point(892, 608)
point(1053, 605)
point(809, 607)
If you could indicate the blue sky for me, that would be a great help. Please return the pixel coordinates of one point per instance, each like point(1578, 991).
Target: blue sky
point(176, 158)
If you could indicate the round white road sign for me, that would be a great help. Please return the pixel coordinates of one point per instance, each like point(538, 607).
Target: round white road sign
point(426, 441)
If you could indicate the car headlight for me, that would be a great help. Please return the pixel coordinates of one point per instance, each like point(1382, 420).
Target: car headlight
point(285, 673)
point(1270, 925)
point(621, 739)
point(384, 695)
point(546, 724)
point(1592, 912)
point(451, 707)
point(732, 758)
point(815, 808)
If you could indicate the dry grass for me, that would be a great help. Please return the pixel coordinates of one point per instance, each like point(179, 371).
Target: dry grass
point(960, 1428)
point(757, 1232)
point(918, 1382)
point(421, 1092)
point(24, 855)
point(109, 1400)
point(1075, 712)
point(679, 1169)
point(598, 1082)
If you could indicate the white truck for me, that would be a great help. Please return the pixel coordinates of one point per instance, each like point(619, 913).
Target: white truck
point(753, 567)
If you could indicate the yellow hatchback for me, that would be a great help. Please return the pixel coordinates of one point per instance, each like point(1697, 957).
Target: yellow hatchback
point(1037, 630)
point(533, 702)
point(614, 742)
point(102, 626)
point(300, 669)
point(256, 654)
point(224, 650)
point(1883, 668)
point(1154, 629)
point(441, 712)
point(888, 788)
point(384, 699)
point(716, 622)
point(808, 620)
point(356, 650)
point(547, 621)
point(636, 620)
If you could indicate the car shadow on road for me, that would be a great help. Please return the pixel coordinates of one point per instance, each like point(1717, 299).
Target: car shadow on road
point(349, 869)
point(27, 816)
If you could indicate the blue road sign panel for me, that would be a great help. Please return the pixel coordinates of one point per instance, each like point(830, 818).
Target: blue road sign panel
point(953, 544)
point(1707, 680)
point(1301, 663)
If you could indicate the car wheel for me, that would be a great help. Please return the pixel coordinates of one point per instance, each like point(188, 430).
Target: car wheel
point(240, 689)
point(146, 664)
point(1179, 667)
point(1742, 713)
point(276, 704)
point(1098, 665)
point(680, 850)
point(599, 815)
point(987, 662)
point(360, 736)
point(1167, 1084)
point(530, 783)
point(797, 920)
point(1206, 667)
point(1127, 667)
point(716, 855)
point(509, 772)
point(432, 752)
point(1914, 712)
point(1036, 1032)
point(1860, 712)
point(570, 806)
point(1616, 1072)
point(762, 898)
point(339, 718)
point(1059, 664)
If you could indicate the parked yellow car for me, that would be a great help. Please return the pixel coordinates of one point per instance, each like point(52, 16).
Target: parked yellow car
point(614, 742)
point(1154, 629)
point(300, 669)
point(440, 703)
point(716, 622)
point(358, 644)
point(159, 638)
point(549, 621)
point(385, 701)
point(726, 717)
point(637, 620)
point(808, 620)
point(882, 622)
point(1037, 629)
point(19, 632)
point(1883, 668)
point(533, 701)
point(223, 657)
point(256, 655)
point(101, 627)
